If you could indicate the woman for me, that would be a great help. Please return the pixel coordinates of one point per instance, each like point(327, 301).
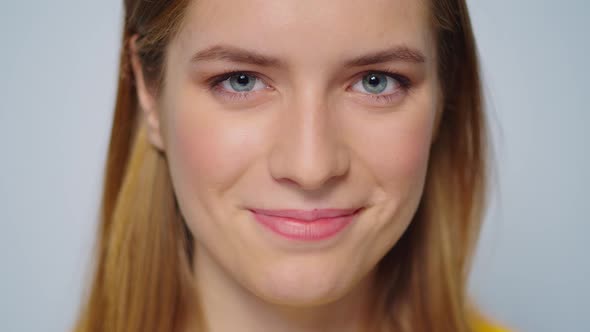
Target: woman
point(292, 166)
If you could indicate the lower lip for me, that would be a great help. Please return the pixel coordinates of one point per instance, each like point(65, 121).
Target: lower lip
point(295, 229)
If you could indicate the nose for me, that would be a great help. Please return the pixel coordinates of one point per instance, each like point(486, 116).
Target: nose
point(307, 150)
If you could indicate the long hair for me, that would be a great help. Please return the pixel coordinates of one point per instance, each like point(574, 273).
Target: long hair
point(142, 275)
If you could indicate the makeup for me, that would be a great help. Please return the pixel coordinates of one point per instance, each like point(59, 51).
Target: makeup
point(302, 225)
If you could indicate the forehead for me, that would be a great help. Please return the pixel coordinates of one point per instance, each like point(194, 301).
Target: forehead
point(306, 30)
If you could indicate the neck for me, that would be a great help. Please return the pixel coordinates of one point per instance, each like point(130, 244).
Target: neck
point(227, 306)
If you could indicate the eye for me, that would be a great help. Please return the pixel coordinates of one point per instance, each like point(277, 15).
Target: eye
point(241, 82)
point(376, 83)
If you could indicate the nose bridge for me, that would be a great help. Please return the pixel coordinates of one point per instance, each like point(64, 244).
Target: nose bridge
point(308, 150)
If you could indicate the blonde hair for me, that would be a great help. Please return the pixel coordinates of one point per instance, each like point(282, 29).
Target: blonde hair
point(144, 250)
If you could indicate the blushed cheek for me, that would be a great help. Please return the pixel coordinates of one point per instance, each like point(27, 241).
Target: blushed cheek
point(396, 152)
point(411, 148)
point(208, 154)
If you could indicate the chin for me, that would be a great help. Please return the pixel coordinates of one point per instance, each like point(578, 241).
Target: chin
point(304, 285)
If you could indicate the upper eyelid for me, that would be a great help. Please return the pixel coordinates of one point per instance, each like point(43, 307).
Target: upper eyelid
point(222, 77)
point(216, 81)
point(392, 74)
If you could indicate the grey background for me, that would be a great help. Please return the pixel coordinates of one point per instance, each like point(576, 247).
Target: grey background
point(58, 65)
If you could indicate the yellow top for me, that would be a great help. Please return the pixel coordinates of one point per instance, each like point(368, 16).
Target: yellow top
point(484, 325)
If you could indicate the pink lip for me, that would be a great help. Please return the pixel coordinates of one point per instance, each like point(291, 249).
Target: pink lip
point(311, 225)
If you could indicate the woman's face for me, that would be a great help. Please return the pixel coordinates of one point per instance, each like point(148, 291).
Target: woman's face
point(332, 105)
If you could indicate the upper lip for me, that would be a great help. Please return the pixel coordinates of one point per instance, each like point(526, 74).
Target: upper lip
point(307, 215)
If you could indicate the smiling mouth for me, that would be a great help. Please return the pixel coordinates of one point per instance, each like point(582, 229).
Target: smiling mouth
point(307, 215)
point(306, 225)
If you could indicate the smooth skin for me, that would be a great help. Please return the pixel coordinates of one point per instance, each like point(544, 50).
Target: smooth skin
point(311, 119)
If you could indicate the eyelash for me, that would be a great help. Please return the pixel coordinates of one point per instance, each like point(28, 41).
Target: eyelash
point(214, 85)
point(405, 84)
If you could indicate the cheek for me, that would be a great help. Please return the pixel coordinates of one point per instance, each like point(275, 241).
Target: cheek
point(201, 150)
point(396, 148)
point(207, 150)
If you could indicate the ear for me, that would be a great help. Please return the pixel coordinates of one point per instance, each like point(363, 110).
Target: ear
point(147, 101)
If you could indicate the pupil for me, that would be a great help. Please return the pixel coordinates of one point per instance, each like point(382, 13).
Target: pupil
point(243, 80)
point(374, 80)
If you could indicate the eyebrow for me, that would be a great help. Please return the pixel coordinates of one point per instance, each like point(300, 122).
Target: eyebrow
point(239, 55)
point(395, 54)
point(235, 54)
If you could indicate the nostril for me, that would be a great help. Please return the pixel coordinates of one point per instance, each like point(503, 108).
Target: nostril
point(311, 177)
